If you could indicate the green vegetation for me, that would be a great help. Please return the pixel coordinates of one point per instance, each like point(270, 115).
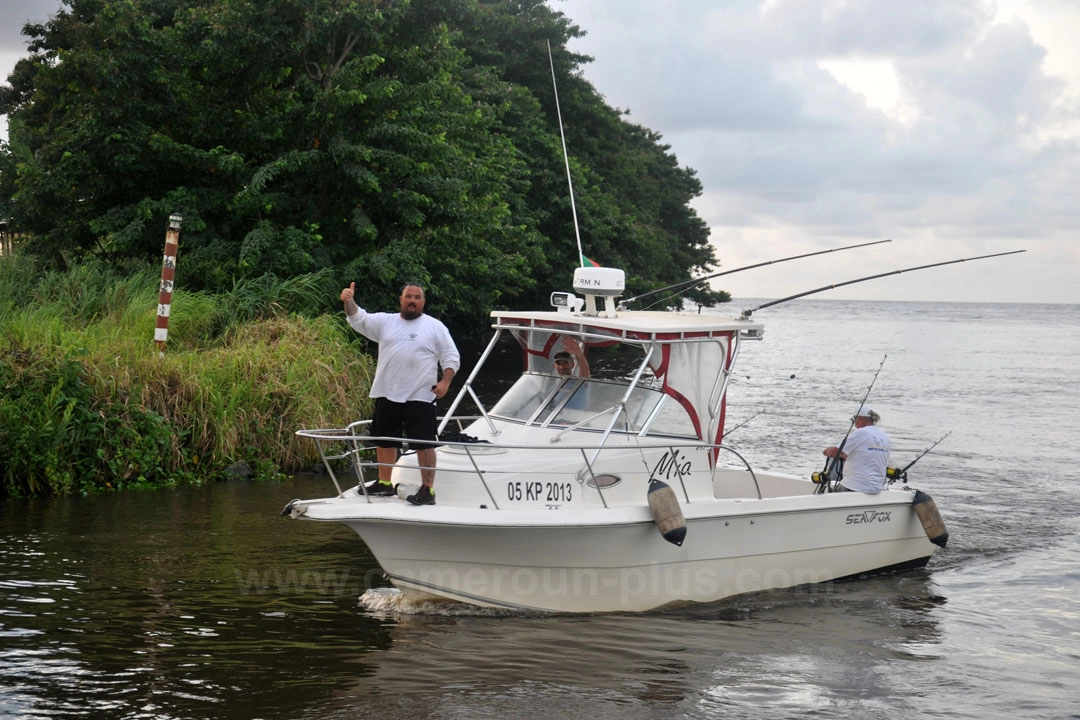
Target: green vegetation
point(87, 404)
point(307, 144)
point(377, 141)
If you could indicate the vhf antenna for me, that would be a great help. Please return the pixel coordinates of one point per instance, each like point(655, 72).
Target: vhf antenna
point(566, 157)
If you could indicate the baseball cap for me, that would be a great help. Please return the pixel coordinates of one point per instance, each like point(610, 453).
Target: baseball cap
point(563, 355)
point(865, 411)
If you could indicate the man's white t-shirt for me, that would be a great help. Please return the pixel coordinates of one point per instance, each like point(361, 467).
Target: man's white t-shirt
point(410, 354)
point(867, 450)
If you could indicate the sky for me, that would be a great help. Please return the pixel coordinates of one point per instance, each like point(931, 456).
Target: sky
point(951, 127)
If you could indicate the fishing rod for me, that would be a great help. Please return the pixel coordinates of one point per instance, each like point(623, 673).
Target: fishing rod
point(894, 474)
point(833, 472)
point(747, 313)
point(759, 412)
point(690, 283)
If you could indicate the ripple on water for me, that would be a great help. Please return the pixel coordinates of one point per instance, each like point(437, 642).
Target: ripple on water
point(392, 602)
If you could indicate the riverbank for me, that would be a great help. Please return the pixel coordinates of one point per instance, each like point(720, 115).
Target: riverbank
point(88, 405)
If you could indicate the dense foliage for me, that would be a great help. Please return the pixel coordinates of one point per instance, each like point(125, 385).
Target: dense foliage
point(86, 403)
point(378, 140)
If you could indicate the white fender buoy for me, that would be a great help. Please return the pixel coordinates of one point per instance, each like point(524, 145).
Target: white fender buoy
point(933, 525)
point(666, 512)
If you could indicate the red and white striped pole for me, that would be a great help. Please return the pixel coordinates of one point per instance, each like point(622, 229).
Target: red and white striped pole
point(168, 273)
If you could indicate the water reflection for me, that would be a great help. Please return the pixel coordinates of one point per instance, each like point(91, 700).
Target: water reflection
point(705, 657)
point(174, 604)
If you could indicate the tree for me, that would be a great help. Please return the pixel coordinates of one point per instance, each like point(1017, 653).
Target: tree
point(631, 195)
point(388, 140)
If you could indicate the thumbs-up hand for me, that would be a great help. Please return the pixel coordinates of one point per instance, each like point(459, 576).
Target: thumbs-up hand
point(348, 293)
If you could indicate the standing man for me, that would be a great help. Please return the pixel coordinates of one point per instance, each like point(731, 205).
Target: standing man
point(412, 349)
point(865, 456)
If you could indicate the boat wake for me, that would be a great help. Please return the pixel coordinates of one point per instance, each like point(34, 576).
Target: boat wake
point(391, 601)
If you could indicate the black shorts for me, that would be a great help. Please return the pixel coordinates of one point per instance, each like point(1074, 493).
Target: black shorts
point(413, 419)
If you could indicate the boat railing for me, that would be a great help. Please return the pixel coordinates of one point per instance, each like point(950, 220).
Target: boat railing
point(753, 475)
point(348, 444)
point(355, 446)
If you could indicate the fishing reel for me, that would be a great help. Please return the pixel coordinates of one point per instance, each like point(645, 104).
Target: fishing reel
point(892, 474)
point(825, 478)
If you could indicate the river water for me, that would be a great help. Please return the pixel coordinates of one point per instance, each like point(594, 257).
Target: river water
point(202, 603)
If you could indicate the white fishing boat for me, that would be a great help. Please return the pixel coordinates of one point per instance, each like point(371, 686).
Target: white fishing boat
point(574, 494)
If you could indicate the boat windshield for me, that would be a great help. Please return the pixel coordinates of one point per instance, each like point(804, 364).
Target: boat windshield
point(552, 400)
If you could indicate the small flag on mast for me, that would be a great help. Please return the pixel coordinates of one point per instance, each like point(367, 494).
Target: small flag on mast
point(588, 262)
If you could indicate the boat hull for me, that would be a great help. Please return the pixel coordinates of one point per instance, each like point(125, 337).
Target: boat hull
point(615, 560)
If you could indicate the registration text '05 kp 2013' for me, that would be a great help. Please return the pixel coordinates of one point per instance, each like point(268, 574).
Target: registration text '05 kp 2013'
point(551, 492)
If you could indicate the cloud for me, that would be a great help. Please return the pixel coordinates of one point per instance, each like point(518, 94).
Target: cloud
point(813, 123)
point(14, 14)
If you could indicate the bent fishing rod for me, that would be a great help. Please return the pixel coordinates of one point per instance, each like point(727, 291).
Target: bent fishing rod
point(685, 284)
point(833, 472)
point(747, 313)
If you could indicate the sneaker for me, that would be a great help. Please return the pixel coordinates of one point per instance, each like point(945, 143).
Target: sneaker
point(423, 496)
point(381, 489)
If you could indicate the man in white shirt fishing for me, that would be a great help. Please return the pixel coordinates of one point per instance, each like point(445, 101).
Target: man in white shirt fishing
point(865, 454)
point(412, 349)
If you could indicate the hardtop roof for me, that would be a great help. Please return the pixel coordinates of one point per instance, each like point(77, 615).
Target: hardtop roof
point(633, 325)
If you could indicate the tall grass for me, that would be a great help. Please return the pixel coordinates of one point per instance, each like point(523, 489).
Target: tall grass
point(86, 403)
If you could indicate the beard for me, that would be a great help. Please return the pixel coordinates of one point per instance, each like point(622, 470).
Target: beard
point(410, 313)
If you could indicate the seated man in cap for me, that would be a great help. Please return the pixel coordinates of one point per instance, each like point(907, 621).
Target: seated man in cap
point(865, 455)
point(573, 355)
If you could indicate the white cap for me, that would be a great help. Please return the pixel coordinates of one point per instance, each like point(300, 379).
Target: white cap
point(866, 412)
